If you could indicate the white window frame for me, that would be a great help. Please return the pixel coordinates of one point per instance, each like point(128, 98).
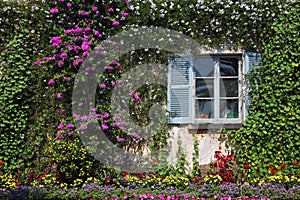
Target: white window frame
point(217, 98)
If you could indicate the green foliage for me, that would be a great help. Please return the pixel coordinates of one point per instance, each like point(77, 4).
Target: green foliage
point(271, 132)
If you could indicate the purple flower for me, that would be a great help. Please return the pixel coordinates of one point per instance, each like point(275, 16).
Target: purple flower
point(103, 85)
point(111, 10)
point(69, 5)
point(97, 34)
point(120, 139)
point(59, 96)
point(120, 82)
point(104, 127)
point(70, 126)
point(56, 40)
point(37, 63)
point(59, 112)
point(54, 10)
point(113, 83)
point(136, 97)
point(60, 127)
point(87, 29)
point(94, 8)
point(81, 127)
point(51, 82)
point(59, 137)
point(115, 23)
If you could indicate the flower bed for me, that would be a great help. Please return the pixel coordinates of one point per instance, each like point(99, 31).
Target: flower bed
point(192, 191)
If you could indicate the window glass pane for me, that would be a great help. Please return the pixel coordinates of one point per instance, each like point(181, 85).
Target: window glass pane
point(229, 108)
point(229, 66)
point(204, 108)
point(229, 87)
point(204, 87)
point(204, 66)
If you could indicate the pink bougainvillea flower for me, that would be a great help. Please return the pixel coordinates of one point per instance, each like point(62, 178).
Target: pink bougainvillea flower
point(86, 54)
point(56, 40)
point(51, 82)
point(103, 85)
point(84, 118)
point(70, 126)
point(109, 68)
point(111, 10)
point(71, 133)
point(59, 137)
point(87, 29)
point(60, 63)
point(75, 63)
point(64, 55)
point(136, 97)
point(69, 5)
point(60, 127)
point(124, 14)
point(84, 46)
point(104, 127)
point(94, 8)
point(37, 63)
point(106, 115)
point(115, 23)
point(59, 95)
point(54, 10)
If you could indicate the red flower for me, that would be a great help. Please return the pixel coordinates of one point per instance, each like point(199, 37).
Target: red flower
point(154, 161)
point(295, 163)
point(246, 166)
point(283, 165)
point(274, 171)
point(124, 173)
point(218, 154)
point(1, 163)
point(270, 167)
point(228, 158)
point(42, 176)
point(221, 164)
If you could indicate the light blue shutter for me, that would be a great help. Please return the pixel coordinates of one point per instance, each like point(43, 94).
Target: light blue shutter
point(180, 89)
point(251, 59)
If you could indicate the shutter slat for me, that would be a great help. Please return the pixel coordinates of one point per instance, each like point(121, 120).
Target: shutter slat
point(251, 59)
point(179, 89)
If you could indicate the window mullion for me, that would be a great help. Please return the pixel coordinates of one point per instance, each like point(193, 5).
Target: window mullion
point(216, 89)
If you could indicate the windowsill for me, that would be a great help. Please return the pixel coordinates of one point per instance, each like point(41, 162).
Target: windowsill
point(206, 126)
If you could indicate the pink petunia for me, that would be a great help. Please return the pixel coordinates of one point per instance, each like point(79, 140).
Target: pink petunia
point(120, 139)
point(109, 68)
point(95, 8)
point(54, 10)
point(59, 96)
point(113, 84)
point(111, 10)
point(69, 5)
point(87, 29)
point(106, 115)
point(103, 85)
point(84, 46)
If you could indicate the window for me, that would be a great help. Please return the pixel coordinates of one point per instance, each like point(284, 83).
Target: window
point(209, 89)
